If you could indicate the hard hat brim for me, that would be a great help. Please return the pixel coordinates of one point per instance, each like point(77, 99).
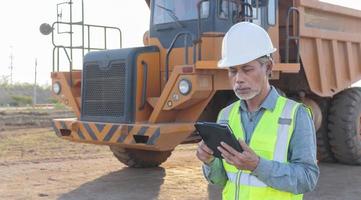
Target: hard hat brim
point(226, 62)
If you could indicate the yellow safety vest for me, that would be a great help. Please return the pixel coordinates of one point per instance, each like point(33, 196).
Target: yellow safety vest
point(270, 140)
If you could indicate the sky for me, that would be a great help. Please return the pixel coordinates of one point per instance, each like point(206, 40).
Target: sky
point(20, 35)
point(20, 21)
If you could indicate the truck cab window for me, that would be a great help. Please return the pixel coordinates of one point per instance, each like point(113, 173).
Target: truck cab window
point(271, 12)
point(257, 10)
point(227, 8)
point(166, 11)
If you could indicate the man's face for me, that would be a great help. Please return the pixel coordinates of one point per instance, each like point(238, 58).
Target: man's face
point(248, 80)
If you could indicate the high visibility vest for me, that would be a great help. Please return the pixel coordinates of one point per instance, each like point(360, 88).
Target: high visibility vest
point(270, 140)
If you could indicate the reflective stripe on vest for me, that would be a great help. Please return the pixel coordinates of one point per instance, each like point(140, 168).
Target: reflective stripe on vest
point(246, 179)
point(284, 124)
point(279, 123)
point(224, 115)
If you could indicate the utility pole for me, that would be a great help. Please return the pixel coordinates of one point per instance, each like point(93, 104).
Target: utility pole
point(34, 94)
point(11, 65)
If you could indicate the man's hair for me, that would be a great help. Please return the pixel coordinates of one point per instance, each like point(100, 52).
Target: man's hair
point(264, 59)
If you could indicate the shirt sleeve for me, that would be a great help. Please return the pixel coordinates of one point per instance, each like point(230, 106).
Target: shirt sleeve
point(301, 173)
point(215, 173)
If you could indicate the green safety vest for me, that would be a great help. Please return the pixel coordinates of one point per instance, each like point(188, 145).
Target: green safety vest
point(270, 141)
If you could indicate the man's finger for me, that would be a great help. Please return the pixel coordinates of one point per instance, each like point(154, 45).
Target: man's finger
point(204, 156)
point(244, 146)
point(206, 148)
point(228, 160)
point(225, 152)
point(229, 148)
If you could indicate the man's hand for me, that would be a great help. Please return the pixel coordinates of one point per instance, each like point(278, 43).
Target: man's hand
point(247, 160)
point(204, 153)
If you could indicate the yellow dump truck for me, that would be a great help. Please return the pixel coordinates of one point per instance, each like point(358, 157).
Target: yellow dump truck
point(144, 101)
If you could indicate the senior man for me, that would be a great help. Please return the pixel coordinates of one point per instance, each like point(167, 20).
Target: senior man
point(277, 134)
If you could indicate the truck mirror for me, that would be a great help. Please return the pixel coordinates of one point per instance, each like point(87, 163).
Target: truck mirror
point(46, 29)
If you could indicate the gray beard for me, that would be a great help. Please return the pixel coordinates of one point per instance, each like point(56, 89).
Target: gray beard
point(246, 97)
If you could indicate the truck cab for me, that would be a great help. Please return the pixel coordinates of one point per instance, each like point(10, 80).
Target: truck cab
point(168, 18)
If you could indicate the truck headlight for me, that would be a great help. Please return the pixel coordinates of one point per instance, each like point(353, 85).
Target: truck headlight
point(56, 88)
point(184, 86)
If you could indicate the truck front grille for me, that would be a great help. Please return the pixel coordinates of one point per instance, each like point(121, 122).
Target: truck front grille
point(104, 91)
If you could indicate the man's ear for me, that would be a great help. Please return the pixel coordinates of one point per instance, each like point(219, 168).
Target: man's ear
point(269, 66)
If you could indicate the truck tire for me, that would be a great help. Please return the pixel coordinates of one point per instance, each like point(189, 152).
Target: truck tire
point(324, 153)
point(344, 126)
point(140, 158)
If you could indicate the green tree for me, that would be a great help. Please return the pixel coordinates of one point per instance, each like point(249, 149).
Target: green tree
point(20, 100)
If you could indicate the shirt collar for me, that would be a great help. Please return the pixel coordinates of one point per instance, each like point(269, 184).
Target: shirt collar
point(269, 103)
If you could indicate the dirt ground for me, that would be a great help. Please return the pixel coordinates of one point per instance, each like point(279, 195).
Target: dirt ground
point(30, 117)
point(35, 164)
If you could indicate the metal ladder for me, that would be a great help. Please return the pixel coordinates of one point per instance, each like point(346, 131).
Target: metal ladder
point(295, 36)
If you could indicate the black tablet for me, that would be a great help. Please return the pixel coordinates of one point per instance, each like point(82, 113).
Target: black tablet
point(213, 134)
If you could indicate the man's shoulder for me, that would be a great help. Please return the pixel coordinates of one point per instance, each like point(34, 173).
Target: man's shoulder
point(230, 105)
point(298, 104)
point(301, 108)
point(224, 113)
point(304, 111)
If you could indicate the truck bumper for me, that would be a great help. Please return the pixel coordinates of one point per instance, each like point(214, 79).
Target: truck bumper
point(154, 137)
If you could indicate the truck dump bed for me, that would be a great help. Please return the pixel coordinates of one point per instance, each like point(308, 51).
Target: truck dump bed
point(330, 45)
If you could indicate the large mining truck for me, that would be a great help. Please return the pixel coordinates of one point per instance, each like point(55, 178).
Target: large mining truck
point(142, 102)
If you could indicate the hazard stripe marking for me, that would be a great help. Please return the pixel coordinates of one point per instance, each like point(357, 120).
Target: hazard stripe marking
point(80, 134)
point(94, 129)
point(90, 131)
point(130, 128)
point(154, 137)
point(142, 130)
point(129, 139)
point(101, 134)
point(100, 127)
point(111, 133)
point(84, 132)
point(124, 134)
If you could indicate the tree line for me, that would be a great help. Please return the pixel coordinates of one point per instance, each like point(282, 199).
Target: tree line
point(22, 94)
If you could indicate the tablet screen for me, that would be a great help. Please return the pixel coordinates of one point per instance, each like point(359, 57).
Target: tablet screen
point(213, 134)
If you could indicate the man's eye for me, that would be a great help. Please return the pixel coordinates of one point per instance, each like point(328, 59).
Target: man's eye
point(247, 69)
point(233, 71)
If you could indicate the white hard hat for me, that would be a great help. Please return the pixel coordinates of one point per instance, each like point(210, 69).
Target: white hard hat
point(243, 43)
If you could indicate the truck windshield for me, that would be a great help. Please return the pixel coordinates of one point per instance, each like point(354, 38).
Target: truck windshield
point(166, 11)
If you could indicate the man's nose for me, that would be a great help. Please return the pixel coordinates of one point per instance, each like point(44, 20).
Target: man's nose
point(239, 78)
